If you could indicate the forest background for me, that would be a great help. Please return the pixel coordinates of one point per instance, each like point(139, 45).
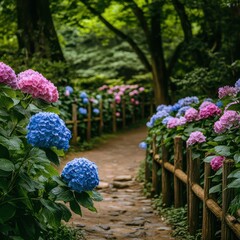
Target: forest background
point(175, 47)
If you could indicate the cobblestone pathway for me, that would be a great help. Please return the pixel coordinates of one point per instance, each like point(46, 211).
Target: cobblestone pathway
point(124, 213)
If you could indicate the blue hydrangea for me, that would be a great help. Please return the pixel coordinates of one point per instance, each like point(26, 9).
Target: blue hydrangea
point(219, 104)
point(176, 107)
point(237, 83)
point(166, 119)
point(161, 107)
point(143, 145)
point(208, 100)
point(96, 111)
point(68, 88)
point(188, 101)
point(159, 114)
point(85, 100)
point(82, 111)
point(182, 111)
point(81, 175)
point(46, 130)
point(83, 95)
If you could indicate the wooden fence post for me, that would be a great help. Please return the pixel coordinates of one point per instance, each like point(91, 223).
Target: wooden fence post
point(75, 125)
point(193, 166)
point(209, 223)
point(101, 117)
point(156, 183)
point(166, 179)
point(227, 195)
point(178, 164)
point(89, 121)
point(123, 114)
point(142, 108)
point(114, 116)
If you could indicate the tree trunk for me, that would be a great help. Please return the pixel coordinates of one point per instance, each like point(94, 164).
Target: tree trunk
point(159, 70)
point(36, 32)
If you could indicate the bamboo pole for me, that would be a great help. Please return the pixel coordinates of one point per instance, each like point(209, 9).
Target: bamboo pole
point(227, 195)
point(156, 184)
point(166, 179)
point(178, 185)
point(209, 224)
point(89, 121)
point(193, 201)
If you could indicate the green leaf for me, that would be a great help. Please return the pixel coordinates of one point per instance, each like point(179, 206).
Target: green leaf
point(52, 156)
point(234, 184)
point(6, 165)
point(85, 200)
point(96, 196)
point(12, 143)
point(235, 174)
point(58, 180)
point(7, 211)
point(216, 189)
point(66, 214)
point(208, 159)
point(221, 138)
point(6, 102)
point(222, 150)
point(237, 157)
point(62, 194)
point(75, 207)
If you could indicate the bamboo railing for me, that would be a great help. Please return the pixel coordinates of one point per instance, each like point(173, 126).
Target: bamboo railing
point(185, 173)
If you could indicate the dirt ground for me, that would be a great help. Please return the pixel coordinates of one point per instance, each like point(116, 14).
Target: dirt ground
point(125, 213)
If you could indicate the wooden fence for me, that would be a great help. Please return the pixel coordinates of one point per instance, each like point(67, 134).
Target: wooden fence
point(186, 189)
point(75, 121)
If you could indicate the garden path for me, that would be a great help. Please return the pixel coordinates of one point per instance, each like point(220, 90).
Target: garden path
point(125, 213)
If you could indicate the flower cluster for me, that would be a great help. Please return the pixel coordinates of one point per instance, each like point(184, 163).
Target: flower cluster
point(174, 122)
point(227, 91)
point(228, 120)
point(46, 130)
point(191, 115)
point(34, 83)
point(217, 162)
point(143, 145)
point(7, 75)
point(210, 110)
point(81, 174)
point(196, 137)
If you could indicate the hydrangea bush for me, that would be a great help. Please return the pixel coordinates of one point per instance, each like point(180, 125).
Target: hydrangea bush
point(210, 127)
point(32, 138)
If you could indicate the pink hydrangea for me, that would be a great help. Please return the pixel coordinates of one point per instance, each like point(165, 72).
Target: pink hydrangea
point(118, 114)
point(191, 115)
point(174, 122)
point(210, 110)
point(228, 120)
point(196, 137)
point(117, 98)
point(217, 162)
point(141, 89)
point(227, 91)
point(204, 104)
point(34, 83)
point(7, 75)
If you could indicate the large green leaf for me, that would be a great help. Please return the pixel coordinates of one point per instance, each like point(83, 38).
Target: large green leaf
point(237, 157)
point(52, 156)
point(223, 150)
point(7, 211)
point(75, 207)
point(85, 200)
point(216, 189)
point(6, 102)
point(66, 214)
point(234, 184)
point(6, 165)
point(12, 143)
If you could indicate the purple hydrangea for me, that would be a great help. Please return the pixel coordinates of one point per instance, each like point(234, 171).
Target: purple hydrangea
point(227, 91)
point(237, 84)
point(204, 104)
point(188, 101)
point(143, 145)
point(182, 111)
point(228, 120)
point(209, 110)
point(81, 175)
point(191, 115)
point(7, 75)
point(217, 162)
point(46, 130)
point(174, 122)
point(196, 137)
point(158, 115)
point(96, 111)
point(85, 100)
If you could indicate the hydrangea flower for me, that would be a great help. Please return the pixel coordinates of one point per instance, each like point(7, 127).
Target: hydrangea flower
point(46, 130)
point(85, 100)
point(237, 84)
point(210, 110)
point(81, 175)
point(83, 95)
point(174, 122)
point(68, 90)
point(176, 107)
point(82, 111)
point(217, 162)
point(196, 137)
point(188, 101)
point(227, 91)
point(228, 120)
point(96, 111)
point(143, 145)
point(204, 104)
point(117, 98)
point(219, 103)
point(7, 75)
point(182, 111)
point(166, 119)
point(34, 83)
point(159, 114)
point(191, 115)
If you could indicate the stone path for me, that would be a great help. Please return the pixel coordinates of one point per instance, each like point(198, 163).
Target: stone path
point(124, 213)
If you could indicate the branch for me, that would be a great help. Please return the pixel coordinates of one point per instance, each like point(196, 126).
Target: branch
point(122, 35)
point(186, 24)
